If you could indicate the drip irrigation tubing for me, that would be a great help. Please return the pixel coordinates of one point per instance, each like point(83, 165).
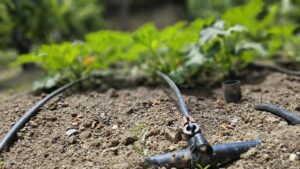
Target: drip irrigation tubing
point(180, 100)
point(286, 71)
point(32, 112)
point(279, 69)
point(290, 117)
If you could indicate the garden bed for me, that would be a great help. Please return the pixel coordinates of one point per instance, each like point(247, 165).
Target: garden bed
point(116, 128)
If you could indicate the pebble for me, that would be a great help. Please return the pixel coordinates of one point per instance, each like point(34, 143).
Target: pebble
point(72, 140)
point(71, 132)
point(114, 127)
point(113, 93)
point(172, 134)
point(85, 135)
point(293, 157)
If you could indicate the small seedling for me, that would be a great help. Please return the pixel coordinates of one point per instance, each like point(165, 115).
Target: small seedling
point(139, 133)
point(200, 167)
point(1, 164)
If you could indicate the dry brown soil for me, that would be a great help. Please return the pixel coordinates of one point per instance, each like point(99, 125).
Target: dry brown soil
point(119, 128)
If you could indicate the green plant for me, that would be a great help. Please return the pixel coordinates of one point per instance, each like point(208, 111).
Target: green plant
point(68, 61)
point(219, 52)
point(1, 164)
point(203, 50)
point(138, 130)
point(164, 50)
point(267, 25)
point(200, 167)
point(139, 133)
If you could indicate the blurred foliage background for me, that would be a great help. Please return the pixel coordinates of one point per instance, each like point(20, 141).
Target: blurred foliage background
point(33, 22)
point(190, 40)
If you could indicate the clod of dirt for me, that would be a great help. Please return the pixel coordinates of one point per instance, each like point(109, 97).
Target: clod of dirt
point(112, 93)
point(130, 140)
point(172, 134)
point(72, 139)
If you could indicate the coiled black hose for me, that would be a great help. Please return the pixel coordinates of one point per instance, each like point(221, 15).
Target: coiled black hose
point(180, 100)
point(290, 117)
point(30, 113)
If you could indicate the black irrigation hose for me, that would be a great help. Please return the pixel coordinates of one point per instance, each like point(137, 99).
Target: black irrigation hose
point(30, 113)
point(286, 71)
point(290, 117)
point(180, 100)
point(279, 69)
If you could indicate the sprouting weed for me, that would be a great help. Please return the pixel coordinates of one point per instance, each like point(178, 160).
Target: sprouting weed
point(200, 167)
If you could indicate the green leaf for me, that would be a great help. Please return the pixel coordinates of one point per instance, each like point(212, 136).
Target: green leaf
point(218, 29)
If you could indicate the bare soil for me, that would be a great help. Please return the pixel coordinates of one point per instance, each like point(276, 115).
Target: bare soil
point(119, 128)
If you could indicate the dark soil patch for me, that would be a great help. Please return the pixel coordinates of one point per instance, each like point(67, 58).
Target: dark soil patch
point(118, 128)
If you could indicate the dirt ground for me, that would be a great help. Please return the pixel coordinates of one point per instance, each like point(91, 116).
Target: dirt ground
point(119, 128)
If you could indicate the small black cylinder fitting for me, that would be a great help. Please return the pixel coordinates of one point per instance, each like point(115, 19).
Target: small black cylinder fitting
point(232, 90)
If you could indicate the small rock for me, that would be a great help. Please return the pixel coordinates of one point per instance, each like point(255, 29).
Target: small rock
point(266, 156)
point(293, 157)
point(85, 135)
point(172, 134)
point(282, 123)
point(114, 127)
point(112, 93)
point(172, 148)
point(234, 120)
point(72, 140)
point(71, 132)
point(33, 124)
point(155, 102)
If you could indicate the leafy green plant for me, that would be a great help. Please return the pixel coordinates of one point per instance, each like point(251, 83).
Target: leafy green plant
point(180, 52)
point(164, 50)
point(265, 25)
point(203, 50)
point(219, 52)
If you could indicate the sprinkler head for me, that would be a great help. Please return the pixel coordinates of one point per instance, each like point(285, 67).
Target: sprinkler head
point(232, 91)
